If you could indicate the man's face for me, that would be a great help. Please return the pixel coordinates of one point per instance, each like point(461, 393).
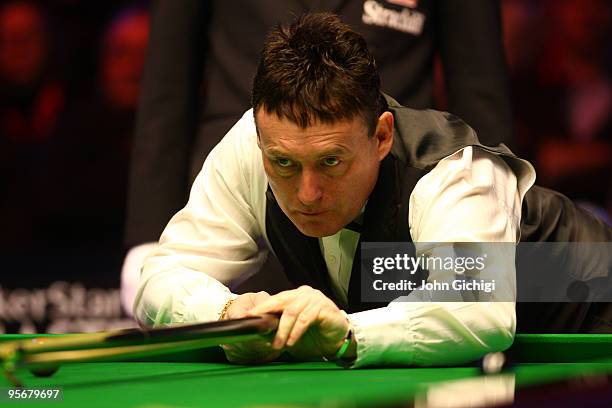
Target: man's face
point(322, 176)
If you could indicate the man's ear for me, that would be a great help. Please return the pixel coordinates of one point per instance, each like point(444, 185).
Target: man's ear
point(384, 134)
point(257, 129)
point(258, 136)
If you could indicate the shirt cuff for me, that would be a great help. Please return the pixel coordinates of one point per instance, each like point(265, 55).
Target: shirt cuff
point(130, 274)
point(371, 329)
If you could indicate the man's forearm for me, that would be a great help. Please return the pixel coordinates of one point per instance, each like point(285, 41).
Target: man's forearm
point(179, 296)
point(426, 334)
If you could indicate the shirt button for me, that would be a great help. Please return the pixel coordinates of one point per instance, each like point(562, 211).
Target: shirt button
point(333, 259)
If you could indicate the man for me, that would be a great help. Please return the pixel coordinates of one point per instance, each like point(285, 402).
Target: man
point(197, 84)
point(322, 163)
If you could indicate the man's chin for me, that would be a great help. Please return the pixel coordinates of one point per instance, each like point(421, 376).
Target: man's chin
point(316, 229)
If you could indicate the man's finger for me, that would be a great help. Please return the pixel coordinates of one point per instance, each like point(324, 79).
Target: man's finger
point(287, 321)
point(237, 311)
point(249, 352)
point(302, 323)
point(260, 297)
point(273, 304)
point(277, 302)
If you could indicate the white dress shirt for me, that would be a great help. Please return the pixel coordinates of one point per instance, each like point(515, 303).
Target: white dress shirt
point(219, 239)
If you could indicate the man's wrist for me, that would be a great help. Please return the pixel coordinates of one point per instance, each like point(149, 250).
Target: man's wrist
point(223, 314)
point(346, 350)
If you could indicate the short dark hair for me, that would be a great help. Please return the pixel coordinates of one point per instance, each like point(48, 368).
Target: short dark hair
point(318, 69)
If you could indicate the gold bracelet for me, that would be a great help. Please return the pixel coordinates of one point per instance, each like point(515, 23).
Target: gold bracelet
point(224, 310)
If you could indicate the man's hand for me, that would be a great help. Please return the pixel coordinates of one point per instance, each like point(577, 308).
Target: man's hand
point(251, 352)
point(311, 325)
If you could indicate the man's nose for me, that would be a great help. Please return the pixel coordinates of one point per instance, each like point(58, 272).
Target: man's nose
point(309, 188)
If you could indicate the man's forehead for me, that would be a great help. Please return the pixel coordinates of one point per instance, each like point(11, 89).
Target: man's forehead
point(271, 126)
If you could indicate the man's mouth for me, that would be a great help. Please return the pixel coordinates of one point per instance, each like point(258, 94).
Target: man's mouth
point(310, 213)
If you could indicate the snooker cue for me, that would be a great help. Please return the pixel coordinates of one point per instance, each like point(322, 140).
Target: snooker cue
point(131, 343)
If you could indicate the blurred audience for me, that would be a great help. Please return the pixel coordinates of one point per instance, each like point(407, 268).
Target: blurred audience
point(559, 55)
point(79, 26)
point(69, 82)
point(93, 146)
point(31, 98)
point(122, 58)
point(31, 101)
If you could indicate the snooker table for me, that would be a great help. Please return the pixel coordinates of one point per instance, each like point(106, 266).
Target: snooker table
point(549, 370)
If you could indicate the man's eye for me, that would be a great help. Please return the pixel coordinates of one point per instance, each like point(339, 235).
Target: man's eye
point(331, 161)
point(284, 162)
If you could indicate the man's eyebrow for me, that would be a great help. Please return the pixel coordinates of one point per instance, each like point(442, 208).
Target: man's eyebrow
point(333, 151)
point(271, 151)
